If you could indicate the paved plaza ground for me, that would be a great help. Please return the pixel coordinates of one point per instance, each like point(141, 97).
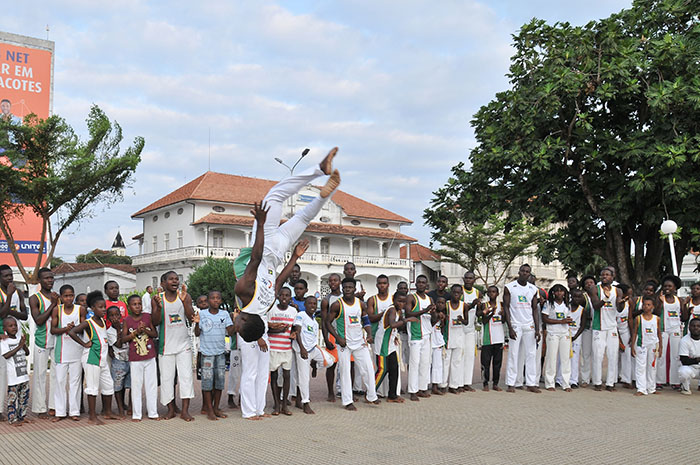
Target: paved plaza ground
point(481, 427)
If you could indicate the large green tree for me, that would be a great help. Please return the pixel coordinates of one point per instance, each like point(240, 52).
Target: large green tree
point(599, 132)
point(103, 257)
point(216, 274)
point(61, 178)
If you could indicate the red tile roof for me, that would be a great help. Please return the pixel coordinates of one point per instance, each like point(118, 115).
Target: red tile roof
point(65, 268)
point(229, 188)
point(237, 220)
point(420, 253)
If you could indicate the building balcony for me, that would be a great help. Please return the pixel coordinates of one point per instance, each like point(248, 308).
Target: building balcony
point(184, 253)
point(312, 258)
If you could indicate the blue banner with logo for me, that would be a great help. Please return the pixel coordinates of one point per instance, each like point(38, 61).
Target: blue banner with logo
point(31, 247)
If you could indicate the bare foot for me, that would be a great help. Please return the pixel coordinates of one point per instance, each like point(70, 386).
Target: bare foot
point(326, 164)
point(136, 420)
point(109, 416)
point(57, 419)
point(169, 415)
point(186, 416)
point(485, 389)
point(75, 418)
point(397, 400)
point(627, 385)
point(331, 185)
point(330, 398)
point(423, 394)
point(17, 424)
point(567, 390)
point(610, 388)
point(220, 414)
point(351, 407)
point(551, 389)
point(203, 412)
point(522, 388)
point(156, 418)
point(307, 409)
point(52, 412)
point(510, 389)
point(211, 416)
point(468, 388)
point(414, 397)
point(460, 390)
point(534, 389)
point(375, 402)
point(95, 421)
point(43, 416)
point(638, 394)
point(453, 391)
point(656, 392)
point(285, 411)
point(265, 415)
point(275, 411)
point(28, 421)
point(253, 418)
point(597, 387)
point(497, 389)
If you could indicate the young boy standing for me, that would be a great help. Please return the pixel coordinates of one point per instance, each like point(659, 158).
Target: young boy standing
point(330, 299)
point(11, 304)
point(555, 314)
point(669, 309)
point(119, 356)
point(492, 339)
point(138, 331)
point(67, 355)
point(42, 305)
point(98, 379)
point(646, 336)
point(14, 350)
point(437, 344)
point(306, 349)
point(280, 319)
point(457, 314)
point(211, 326)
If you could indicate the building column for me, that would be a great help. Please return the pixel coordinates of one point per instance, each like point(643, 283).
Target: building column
point(247, 238)
point(352, 246)
point(318, 244)
point(381, 248)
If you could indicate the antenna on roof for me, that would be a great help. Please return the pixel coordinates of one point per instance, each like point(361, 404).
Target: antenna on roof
point(209, 168)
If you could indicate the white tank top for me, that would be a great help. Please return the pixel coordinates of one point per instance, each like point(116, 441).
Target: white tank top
point(264, 294)
point(575, 315)
point(694, 310)
point(492, 332)
point(469, 297)
point(455, 332)
point(174, 337)
point(67, 350)
point(622, 319)
point(349, 324)
point(647, 331)
point(521, 303)
point(672, 315)
point(385, 339)
point(556, 311)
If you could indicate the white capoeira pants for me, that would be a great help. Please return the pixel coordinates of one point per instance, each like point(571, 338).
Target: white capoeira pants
point(586, 356)
point(234, 372)
point(645, 368)
point(526, 344)
point(576, 349)
point(452, 367)
point(558, 349)
point(144, 378)
point(686, 373)
point(363, 363)
point(468, 356)
point(605, 344)
point(625, 358)
point(255, 371)
point(280, 237)
point(668, 365)
point(323, 358)
point(68, 373)
point(169, 364)
point(419, 364)
point(538, 365)
point(41, 364)
point(436, 366)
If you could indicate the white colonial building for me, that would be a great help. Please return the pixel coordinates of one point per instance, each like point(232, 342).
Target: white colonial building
point(210, 217)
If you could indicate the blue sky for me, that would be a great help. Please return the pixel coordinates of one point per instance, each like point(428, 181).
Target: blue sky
point(394, 84)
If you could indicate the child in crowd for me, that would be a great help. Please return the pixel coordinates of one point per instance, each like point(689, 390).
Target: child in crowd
point(15, 352)
point(646, 338)
point(202, 303)
point(211, 326)
point(234, 366)
point(437, 343)
point(139, 333)
point(119, 357)
point(67, 355)
point(493, 337)
point(305, 343)
point(555, 314)
point(98, 379)
point(280, 319)
point(300, 289)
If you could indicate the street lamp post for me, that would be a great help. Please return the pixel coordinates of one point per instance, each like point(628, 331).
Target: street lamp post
point(291, 170)
point(669, 227)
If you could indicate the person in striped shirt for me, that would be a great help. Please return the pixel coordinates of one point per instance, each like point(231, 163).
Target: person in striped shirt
point(280, 318)
point(98, 379)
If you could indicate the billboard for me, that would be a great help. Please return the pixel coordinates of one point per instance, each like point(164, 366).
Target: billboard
point(26, 86)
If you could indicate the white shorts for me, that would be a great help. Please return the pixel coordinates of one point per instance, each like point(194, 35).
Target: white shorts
point(98, 380)
point(281, 359)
